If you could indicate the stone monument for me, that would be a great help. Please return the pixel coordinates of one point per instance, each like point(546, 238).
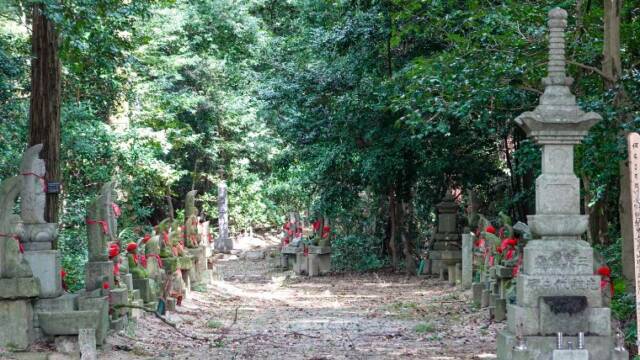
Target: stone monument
point(446, 247)
point(38, 235)
point(101, 231)
point(557, 291)
point(223, 243)
point(199, 274)
point(18, 286)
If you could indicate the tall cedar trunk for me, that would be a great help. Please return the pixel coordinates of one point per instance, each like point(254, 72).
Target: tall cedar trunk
point(44, 115)
point(393, 217)
point(611, 62)
point(407, 221)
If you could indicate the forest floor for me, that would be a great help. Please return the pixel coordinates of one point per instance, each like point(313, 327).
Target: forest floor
point(254, 311)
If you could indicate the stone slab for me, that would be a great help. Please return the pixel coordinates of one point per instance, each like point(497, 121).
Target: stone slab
point(101, 304)
point(16, 317)
point(19, 288)
point(476, 291)
point(119, 296)
point(46, 267)
point(66, 302)
point(68, 322)
point(557, 257)
point(319, 249)
point(570, 355)
point(36, 246)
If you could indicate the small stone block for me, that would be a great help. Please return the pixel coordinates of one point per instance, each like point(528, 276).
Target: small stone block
point(500, 312)
point(97, 273)
point(66, 344)
point(87, 342)
point(101, 304)
point(119, 296)
point(67, 323)
point(171, 304)
point(118, 324)
point(19, 288)
point(146, 289)
point(486, 294)
point(16, 317)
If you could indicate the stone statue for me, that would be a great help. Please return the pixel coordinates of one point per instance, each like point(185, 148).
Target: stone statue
point(191, 220)
point(33, 200)
point(12, 264)
point(101, 224)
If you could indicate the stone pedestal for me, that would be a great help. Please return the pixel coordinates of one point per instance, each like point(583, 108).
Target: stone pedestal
point(46, 267)
point(100, 304)
point(145, 287)
point(447, 246)
point(199, 256)
point(97, 273)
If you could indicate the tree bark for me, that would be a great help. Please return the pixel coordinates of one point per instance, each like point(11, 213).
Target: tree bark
point(611, 62)
point(44, 112)
point(393, 216)
point(407, 221)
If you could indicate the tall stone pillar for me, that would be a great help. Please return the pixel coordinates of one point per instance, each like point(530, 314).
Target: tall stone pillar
point(223, 243)
point(446, 247)
point(557, 290)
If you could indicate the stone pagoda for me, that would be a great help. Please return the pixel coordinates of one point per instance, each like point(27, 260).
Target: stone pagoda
point(446, 251)
point(557, 291)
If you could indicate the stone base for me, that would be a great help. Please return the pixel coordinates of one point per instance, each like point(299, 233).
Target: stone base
point(300, 265)
point(319, 264)
point(542, 347)
point(145, 287)
point(46, 267)
point(119, 296)
point(16, 317)
point(97, 273)
point(118, 324)
point(537, 321)
point(19, 288)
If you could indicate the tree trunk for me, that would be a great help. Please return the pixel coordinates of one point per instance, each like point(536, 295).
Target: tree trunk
point(407, 248)
point(611, 63)
point(44, 114)
point(393, 216)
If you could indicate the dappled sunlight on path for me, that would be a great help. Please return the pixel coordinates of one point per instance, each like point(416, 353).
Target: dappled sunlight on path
point(254, 311)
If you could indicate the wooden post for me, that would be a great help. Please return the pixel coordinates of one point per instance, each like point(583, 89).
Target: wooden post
point(633, 143)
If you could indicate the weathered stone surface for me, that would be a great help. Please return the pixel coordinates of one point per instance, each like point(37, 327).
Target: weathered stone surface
point(67, 344)
point(319, 264)
point(476, 291)
point(97, 273)
point(66, 302)
point(33, 196)
point(46, 267)
point(223, 243)
point(542, 347)
point(570, 355)
point(16, 317)
point(146, 289)
point(557, 257)
point(119, 296)
point(171, 304)
point(69, 322)
point(19, 288)
point(531, 287)
point(87, 342)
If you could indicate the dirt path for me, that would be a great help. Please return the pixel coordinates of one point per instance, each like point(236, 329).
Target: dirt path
point(256, 312)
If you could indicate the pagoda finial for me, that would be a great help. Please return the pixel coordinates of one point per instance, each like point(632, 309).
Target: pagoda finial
point(557, 62)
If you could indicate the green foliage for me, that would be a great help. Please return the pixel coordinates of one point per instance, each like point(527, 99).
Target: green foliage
point(356, 252)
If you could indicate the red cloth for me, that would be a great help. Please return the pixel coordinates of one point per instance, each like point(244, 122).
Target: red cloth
point(42, 180)
point(105, 226)
point(158, 259)
point(146, 238)
point(17, 239)
point(132, 248)
point(490, 229)
point(116, 210)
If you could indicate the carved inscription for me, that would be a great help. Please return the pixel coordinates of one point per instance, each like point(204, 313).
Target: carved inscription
point(633, 143)
point(563, 262)
point(563, 283)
